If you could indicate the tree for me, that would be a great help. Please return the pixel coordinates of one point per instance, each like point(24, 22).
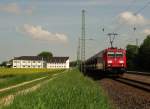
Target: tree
point(144, 54)
point(132, 56)
point(45, 54)
point(73, 63)
point(3, 64)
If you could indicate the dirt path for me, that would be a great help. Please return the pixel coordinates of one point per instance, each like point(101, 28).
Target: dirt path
point(22, 84)
point(27, 82)
point(7, 100)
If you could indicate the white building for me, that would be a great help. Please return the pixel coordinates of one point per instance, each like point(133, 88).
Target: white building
point(39, 62)
point(28, 62)
point(58, 62)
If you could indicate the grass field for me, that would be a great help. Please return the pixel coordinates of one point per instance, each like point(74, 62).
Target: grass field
point(10, 76)
point(70, 90)
point(6, 72)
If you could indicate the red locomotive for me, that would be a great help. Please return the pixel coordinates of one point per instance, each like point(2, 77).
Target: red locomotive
point(111, 60)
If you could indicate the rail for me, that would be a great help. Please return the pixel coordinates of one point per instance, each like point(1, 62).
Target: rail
point(139, 73)
point(134, 83)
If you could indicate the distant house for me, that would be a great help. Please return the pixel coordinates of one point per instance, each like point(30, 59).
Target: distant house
point(58, 62)
point(29, 62)
point(39, 62)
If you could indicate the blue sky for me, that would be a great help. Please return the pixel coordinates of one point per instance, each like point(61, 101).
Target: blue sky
point(28, 27)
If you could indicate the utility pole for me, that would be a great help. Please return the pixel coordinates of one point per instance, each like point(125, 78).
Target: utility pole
point(83, 42)
point(78, 54)
point(112, 38)
point(137, 42)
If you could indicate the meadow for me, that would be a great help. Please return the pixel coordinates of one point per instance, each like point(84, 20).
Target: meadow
point(10, 76)
point(4, 72)
point(70, 90)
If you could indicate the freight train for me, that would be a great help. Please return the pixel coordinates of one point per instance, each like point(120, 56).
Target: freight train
point(111, 61)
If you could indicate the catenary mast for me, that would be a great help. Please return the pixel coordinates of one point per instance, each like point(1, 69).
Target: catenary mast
point(83, 42)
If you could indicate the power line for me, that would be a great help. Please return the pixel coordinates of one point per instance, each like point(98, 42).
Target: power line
point(136, 13)
point(116, 18)
point(112, 35)
point(141, 9)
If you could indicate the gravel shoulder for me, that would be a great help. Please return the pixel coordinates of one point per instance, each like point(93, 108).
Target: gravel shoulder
point(124, 96)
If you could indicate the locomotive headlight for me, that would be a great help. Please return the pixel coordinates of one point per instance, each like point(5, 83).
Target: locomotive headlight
point(121, 61)
point(109, 61)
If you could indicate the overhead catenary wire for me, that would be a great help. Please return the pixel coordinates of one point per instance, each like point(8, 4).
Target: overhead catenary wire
point(120, 25)
point(134, 26)
point(115, 18)
point(141, 9)
point(135, 13)
point(113, 34)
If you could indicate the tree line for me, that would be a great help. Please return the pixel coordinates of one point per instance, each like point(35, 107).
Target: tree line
point(138, 57)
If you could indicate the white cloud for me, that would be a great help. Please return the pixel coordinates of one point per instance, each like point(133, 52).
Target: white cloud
point(146, 31)
point(15, 8)
point(131, 19)
point(11, 8)
point(37, 32)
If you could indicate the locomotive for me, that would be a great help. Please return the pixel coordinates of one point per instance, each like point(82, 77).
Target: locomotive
point(111, 60)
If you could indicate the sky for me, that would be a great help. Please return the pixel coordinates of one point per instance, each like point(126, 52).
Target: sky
point(28, 27)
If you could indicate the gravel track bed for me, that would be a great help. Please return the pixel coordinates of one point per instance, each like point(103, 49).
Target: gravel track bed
point(141, 78)
point(124, 96)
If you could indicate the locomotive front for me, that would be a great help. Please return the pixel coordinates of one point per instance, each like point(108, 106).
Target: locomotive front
point(115, 60)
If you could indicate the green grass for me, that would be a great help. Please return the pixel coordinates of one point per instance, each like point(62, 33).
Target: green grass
point(10, 76)
point(21, 88)
point(7, 72)
point(70, 90)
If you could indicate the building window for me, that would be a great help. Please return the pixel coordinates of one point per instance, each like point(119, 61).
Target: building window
point(15, 61)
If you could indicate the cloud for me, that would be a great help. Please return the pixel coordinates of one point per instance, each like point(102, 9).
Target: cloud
point(146, 31)
point(15, 9)
point(130, 18)
point(38, 33)
point(11, 8)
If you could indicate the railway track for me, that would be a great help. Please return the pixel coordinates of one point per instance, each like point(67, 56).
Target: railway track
point(130, 91)
point(138, 73)
point(134, 83)
point(126, 96)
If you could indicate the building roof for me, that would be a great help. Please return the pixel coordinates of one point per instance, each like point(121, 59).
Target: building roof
point(28, 58)
point(57, 59)
point(49, 60)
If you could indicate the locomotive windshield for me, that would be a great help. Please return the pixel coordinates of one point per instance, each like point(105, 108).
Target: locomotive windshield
point(111, 54)
point(119, 54)
point(114, 54)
